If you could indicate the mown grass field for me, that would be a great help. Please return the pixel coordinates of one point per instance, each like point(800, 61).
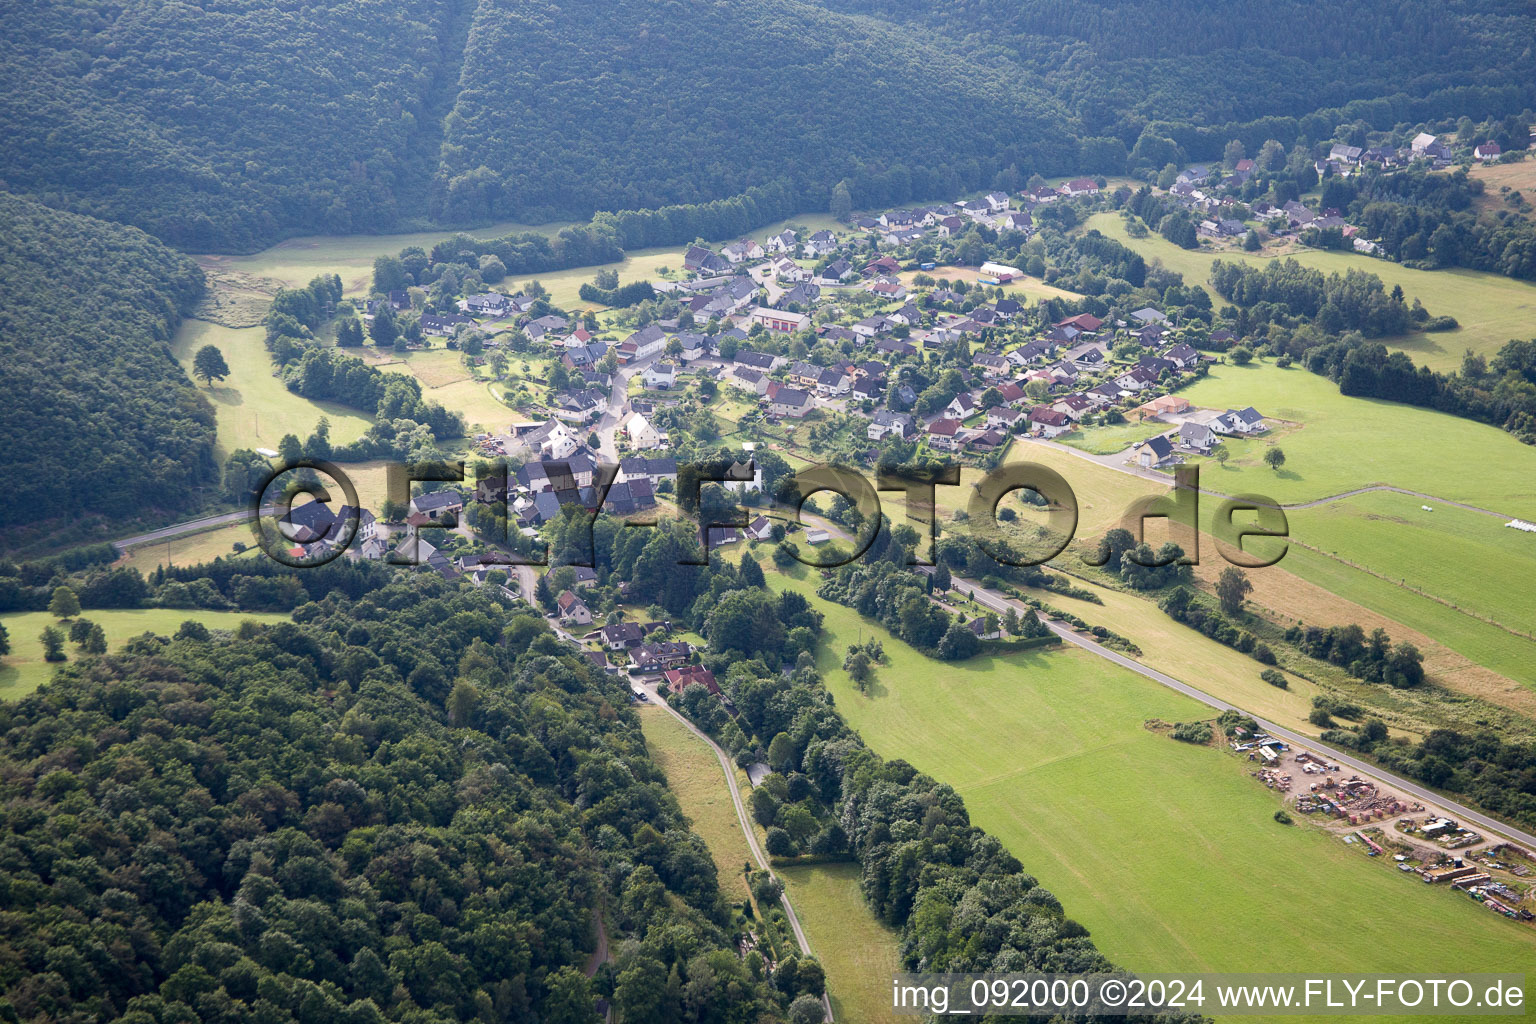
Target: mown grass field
point(192, 549)
point(856, 950)
point(1109, 439)
point(297, 260)
point(254, 409)
point(1343, 443)
point(1168, 853)
point(1470, 559)
point(858, 953)
point(24, 670)
point(694, 777)
point(1490, 309)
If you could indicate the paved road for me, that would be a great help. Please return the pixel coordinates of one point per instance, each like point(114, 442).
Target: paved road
point(191, 526)
point(741, 816)
point(999, 603)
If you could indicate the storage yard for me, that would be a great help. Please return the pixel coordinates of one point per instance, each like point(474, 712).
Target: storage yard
point(1421, 841)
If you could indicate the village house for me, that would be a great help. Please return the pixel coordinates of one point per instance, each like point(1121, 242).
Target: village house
point(647, 341)
point(660, 376)
point(990, 365)
point(653, 471)
point(1487, 152)
point(1197, 438)
point(1136, 379)
point(835, 273)
point(788, 271)
point(1074, 406)
point(787, 401)
point(684, 676)
point(483, 304)
point(784, 241)
point(803, 295)
point(1183, 356)
point(1048, 422)
point(765, 362)
point(1154, 452)
point(753, 382)
point(642, 434)
point(1001, 417)
point(444, 326)
point(819, 244)
point(620, 636)
point(573, 611)
point(579, 406)
point(962, 406)
point(804, 374)
point(437, 504)
point(946, 434)
point(889, 424)
point(1239, 421)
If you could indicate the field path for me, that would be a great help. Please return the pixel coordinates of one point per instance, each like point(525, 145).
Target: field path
point(746, 823)
point(998, 602)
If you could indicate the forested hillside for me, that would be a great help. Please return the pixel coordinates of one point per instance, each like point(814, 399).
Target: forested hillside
point(643, 103)
point(219, 126)
point(98, 417)
point(227, 125)
point(407, 808)
point(1119, 65)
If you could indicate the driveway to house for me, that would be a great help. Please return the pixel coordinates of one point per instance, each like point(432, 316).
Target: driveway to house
point(618, 407)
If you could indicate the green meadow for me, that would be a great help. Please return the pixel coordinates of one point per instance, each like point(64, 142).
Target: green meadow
point(254, 409)
point(1340, 443)
point(694, 777)
point(297, 260)
point(1490, 309)
point(858, 953)
point(1472, 560)
point(24, 670)
point(1168, 853)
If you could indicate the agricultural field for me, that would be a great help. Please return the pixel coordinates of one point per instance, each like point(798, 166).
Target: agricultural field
point(694, 777)
point(297, 260)
point(1490, 309)
point(1168, 853)
point(190, 549)
point(24, 670)
point(254, 409)
point(1342, 443)
point(856, 950)
point(858, 953)
point(1472, 560)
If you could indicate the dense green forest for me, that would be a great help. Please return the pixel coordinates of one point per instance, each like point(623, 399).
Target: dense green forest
point(228, 125)
point(408, 806)
point(98, 416)
point(626, 105)
point(220, 126)
point(1119, 65)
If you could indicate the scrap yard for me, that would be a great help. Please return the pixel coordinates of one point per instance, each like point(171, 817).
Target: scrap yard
point(1420, 840)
